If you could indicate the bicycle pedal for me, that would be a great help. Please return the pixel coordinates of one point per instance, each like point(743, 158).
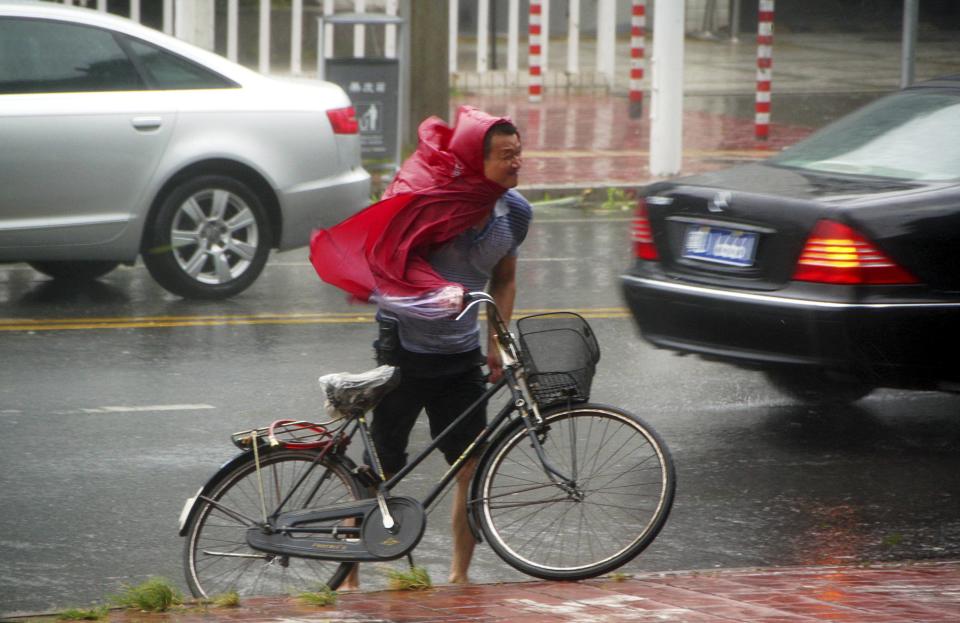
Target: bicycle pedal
point(366, 476)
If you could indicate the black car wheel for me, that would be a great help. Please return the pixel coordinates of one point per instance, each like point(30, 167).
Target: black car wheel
point(209, 239)
point(816, 387)
point(74, 270)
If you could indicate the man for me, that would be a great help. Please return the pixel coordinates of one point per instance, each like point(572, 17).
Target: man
point(440, 359)
point(449, 222)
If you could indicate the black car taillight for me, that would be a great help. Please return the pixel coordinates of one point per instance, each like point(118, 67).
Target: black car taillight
point(343, 120)
point(837, 253)
point(642, 234)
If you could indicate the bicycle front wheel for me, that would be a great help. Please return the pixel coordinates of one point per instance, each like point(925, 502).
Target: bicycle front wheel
point(217, 559)
point(620, 497)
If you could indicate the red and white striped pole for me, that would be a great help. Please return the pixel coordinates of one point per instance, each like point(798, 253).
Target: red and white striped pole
point(534, 33)
point(764, 69)
point(638, 25)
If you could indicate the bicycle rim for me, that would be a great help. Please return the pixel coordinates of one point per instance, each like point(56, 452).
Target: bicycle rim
point(217, 558)
point(624, 490)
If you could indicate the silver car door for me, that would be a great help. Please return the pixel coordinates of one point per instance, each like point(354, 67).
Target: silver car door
point(74, 164)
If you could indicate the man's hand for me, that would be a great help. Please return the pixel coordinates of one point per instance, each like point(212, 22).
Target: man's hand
point(503, 289)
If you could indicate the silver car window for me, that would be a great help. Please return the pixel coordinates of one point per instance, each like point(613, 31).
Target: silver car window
point(41, 56)
point(169, 71)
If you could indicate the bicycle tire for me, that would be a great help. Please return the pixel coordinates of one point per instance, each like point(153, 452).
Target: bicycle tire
point(217, 559)
point(627, 481)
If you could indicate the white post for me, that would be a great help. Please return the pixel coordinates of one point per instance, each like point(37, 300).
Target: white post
point(102, 5)
point(168, 16)
point(135, 10)
point(573, 38)
point(483, 26)
point(233, 29)
point(513, 39)
point(180, 20)
point(296, 36)
point(535, 86)
point(359, 30)
point(666, 107)
point(390, 35)
point(607, 38)
point(453, 23)
point(327, 30)
point(264, 39)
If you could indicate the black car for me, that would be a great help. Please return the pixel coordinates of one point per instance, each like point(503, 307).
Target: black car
point(833, 266)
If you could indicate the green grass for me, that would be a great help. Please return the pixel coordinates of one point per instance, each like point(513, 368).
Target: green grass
point(154, 595)
point(618, 199)
point(413, 579)
point(226, 600)
point(79, 614)
point(617, 576)
point(325, 596)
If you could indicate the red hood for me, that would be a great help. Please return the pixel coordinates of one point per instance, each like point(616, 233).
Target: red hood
point(438, 193)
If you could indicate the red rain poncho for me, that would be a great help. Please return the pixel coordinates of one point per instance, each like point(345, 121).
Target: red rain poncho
point(379, 254)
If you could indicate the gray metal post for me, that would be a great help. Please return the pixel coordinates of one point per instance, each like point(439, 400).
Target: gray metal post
point(735, 21)
point(908, 49)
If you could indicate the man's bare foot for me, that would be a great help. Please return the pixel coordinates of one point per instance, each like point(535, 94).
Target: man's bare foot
point(458, 579)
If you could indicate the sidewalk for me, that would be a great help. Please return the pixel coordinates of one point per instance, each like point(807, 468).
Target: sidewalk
point(882, 593)
point(578, 139)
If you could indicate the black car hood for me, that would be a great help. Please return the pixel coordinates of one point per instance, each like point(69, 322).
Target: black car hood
point(766, 178)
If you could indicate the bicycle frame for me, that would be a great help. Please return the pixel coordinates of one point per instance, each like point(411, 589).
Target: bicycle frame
point(521, 402)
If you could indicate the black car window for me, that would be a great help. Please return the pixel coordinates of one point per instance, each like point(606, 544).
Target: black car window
point(911, 135)
point(42, 56)
point(169, 71)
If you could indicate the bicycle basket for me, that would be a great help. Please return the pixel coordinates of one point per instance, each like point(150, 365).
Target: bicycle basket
point(560, 352)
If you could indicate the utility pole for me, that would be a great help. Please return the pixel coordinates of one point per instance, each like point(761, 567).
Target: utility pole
point(429, 92)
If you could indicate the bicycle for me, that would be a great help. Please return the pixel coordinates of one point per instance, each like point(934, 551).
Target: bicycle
point(564, 489)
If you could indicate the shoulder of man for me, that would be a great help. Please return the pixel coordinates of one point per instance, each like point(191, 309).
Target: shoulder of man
point(520, 214)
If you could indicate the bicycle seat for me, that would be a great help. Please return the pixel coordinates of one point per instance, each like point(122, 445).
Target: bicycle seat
point(350, 394)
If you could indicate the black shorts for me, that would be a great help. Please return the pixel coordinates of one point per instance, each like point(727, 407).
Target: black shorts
point(444, 398)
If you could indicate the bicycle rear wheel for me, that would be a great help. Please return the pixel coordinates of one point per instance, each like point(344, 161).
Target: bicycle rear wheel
point(217, 559)
point(624, 486)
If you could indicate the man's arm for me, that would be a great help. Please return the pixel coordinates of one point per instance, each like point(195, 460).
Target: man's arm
point(503, 289)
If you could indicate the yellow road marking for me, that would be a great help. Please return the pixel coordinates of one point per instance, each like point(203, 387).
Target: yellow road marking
point(158, 322)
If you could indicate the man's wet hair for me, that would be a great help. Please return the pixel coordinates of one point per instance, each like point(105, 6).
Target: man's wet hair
point(504, 128)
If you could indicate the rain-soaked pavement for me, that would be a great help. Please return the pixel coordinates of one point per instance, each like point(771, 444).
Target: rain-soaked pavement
point(117, 402)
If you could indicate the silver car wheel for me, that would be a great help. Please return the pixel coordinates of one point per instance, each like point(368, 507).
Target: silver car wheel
point(214, 236)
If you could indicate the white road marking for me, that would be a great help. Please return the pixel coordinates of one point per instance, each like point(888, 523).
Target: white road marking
point(147, 408)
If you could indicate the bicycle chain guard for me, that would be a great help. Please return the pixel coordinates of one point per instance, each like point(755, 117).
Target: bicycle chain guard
point(290, 534)
point(410, 521)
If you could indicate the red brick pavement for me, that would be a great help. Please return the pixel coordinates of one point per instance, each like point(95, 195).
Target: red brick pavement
point(884, 593)
point(589, 140)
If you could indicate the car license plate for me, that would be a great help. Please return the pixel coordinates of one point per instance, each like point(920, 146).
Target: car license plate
point(720, 245)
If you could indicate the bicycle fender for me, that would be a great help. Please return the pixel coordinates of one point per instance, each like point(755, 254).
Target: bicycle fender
point(190, 506)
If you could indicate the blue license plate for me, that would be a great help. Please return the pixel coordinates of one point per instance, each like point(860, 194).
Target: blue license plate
point(720, 245)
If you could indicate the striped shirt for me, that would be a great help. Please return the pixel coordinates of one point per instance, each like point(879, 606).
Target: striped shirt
point(468, 259)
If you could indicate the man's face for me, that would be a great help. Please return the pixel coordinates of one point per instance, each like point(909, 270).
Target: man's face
point(503, 164)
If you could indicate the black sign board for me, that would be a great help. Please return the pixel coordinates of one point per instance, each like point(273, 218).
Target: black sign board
point(372, 84)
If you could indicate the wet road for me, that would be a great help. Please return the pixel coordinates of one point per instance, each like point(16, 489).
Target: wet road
point(117, 401)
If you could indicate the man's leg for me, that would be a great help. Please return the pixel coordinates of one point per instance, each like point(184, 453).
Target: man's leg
point(463, 539)
point(393, 419)
point(453, 396)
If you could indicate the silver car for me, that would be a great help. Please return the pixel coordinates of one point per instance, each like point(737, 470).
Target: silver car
point(117, 141)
